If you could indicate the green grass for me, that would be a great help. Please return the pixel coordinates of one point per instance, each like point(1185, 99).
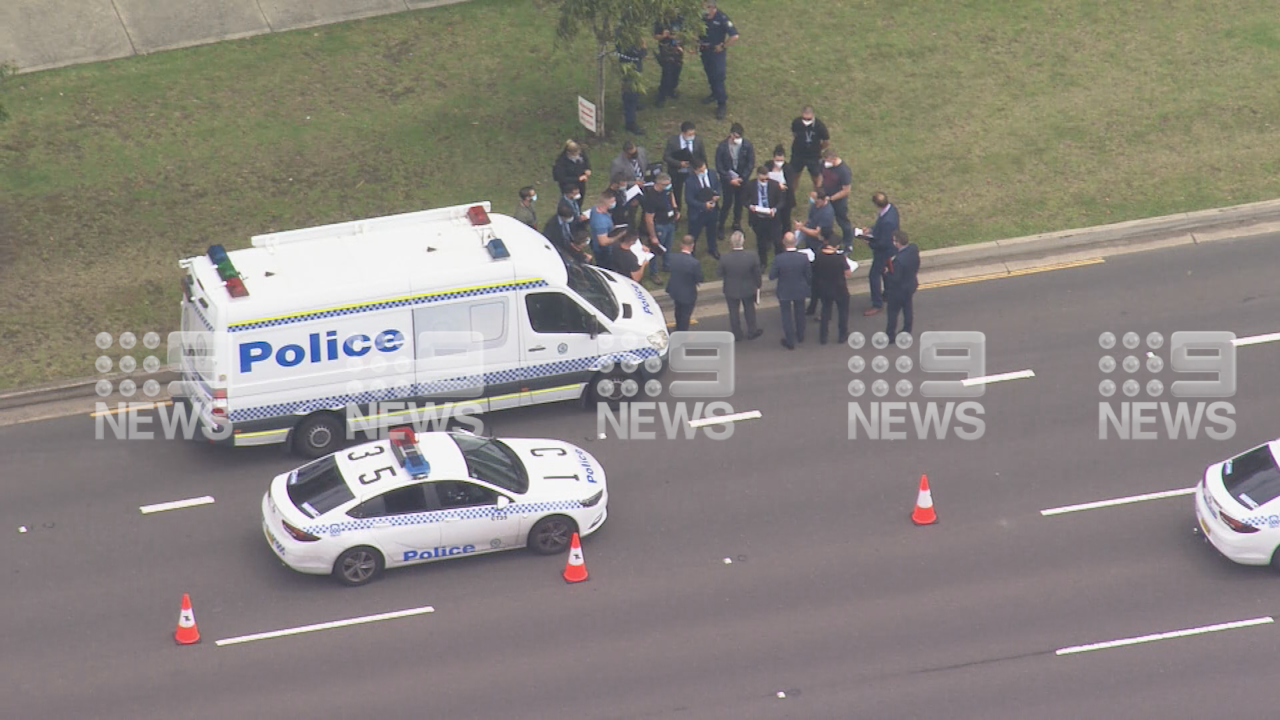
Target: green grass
point(981, 119)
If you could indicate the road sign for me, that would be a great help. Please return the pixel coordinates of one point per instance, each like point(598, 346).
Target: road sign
point(587, 114)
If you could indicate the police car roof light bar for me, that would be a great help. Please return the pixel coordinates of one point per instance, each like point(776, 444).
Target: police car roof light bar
point(477, 215)
point(236, 287)
point(404, 445)
point(498, 249)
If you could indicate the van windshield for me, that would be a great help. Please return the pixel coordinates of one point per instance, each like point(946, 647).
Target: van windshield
point(591, 285)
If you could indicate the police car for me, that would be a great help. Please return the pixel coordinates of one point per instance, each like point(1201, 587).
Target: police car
point(1238, 506)
point(417, 498)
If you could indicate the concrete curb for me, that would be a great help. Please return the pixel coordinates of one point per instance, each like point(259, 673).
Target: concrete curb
point(85, 387)
point(1005, 257)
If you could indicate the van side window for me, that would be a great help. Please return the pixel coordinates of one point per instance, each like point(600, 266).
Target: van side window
point(553, 312)
point(456, 328)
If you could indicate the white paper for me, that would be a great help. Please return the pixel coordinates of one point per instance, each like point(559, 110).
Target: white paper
point(857, 232)
point(632, 191)
point(853, 264)
point(642, 254)
point(807, 252)
point(777, 176)
point(767, 212)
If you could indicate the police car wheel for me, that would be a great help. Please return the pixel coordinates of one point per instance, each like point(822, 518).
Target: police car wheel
point(552, 535)
point(318, 435)
point(357, 566)
point(1275, 559)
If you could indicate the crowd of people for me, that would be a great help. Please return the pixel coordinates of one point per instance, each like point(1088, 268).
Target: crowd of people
point(643, 202)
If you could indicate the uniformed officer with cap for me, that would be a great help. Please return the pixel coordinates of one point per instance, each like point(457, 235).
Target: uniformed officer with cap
point(714, 42)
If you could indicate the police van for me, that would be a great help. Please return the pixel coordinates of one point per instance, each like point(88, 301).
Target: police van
point(311, 331)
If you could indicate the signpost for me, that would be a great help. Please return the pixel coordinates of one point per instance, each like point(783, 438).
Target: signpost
point(587, 114)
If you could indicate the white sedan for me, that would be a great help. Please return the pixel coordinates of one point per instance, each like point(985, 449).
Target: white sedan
point(431, 496)
point(1238, 506)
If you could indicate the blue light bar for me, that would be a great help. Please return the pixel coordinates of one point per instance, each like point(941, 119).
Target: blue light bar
point(498, 249)
point(405, 447)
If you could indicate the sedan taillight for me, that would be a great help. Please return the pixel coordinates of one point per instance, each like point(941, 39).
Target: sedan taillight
point(1235, 524)
point(297, 534)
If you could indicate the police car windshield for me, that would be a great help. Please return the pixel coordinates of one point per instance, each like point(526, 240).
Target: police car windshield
point(1253, 478)
point(591, 285)
point(318, 488)
point(493, 462)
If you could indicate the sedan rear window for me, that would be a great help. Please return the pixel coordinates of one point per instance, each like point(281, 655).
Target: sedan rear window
point(1252, 478)
point(318, 487)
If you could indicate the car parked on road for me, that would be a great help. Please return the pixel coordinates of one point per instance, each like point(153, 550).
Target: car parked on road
point(416, 498)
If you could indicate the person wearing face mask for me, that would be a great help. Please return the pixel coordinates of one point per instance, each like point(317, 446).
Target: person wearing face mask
point(524, 210)
point(572, 165)
point(681, 152)
point(735, 164)
point(763, 198)
point(632, 162)
point(714, 43)
point(808, 139)
point(837, 181)
point(601, 224)
point(702, 193)
point(660, 216)
point(571, 198)
point(780, 172)
point(560, 229)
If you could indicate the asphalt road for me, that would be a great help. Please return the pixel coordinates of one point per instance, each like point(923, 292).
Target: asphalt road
point(833, 597)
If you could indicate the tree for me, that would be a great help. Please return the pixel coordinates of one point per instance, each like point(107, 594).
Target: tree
point(6, 70)
point(623, 24)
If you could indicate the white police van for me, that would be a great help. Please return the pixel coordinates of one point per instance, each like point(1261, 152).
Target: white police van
point(453, 309)
point(423, 497)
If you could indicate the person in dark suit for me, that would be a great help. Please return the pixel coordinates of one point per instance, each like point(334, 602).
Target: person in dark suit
point(572, 165)
point(791, 270)
point(632, 162)
point(830, 286)
point(571, 197)
point(735, 161)
point(900, 282)
point(764, 199)
point(681, 154)
point(702, 194)
point(741, 273)
point(682, 284)
point(880, 238)
point(559, 229)
point(788, 183)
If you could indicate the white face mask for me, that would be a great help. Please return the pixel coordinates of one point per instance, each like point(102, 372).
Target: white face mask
point(778, 163)
point(533, 199)
point(690, 138)
point(806, 122)
point(737, 141)
point(828, 164)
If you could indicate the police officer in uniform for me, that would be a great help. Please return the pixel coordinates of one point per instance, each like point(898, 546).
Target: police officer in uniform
point(714, 43)
point(631, 96)
point(670, 58)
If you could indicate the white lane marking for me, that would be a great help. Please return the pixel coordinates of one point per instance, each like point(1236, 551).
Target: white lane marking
point(1256, 339)
point(176, 505)
point(988, 379)
point(719, 419)
point(1164, 636)
point(326, 626)
point(1118, 501)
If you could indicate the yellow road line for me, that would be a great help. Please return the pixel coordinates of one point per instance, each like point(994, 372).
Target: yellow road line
point(131, 407)
point(1013, 273)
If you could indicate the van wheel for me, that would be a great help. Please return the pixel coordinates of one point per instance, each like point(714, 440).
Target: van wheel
point(358, 566)
point(318, 435)
point(552, 535)
point(613, 387)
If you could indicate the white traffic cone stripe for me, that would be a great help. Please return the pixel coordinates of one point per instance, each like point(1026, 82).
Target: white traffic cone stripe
point(926, 499)
point(575, 556)
point(186, 619)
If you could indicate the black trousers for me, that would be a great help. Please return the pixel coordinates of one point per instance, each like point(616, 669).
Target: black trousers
point(732, 197)
point(670, 80)
point(748, 309)
point(677, 185)
point(841, 303)
point(768, 238)
point(899, 302)
point(683, 314)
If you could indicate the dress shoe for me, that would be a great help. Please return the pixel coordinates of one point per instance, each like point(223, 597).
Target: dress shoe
point(870, 311)
point(787, 345)
point(636, 131)
point(755, 334)
point(673, 94)
point(715, 254)
point(720, 113)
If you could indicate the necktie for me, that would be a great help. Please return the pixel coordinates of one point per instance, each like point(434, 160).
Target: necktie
point(705, 184)
point(764, 203)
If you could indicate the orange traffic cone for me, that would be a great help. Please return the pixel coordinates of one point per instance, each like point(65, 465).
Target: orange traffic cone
point(924, 514)
point(575, 571)
point(187, 633)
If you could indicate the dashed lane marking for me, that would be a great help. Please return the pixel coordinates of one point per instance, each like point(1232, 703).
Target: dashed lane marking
point(326, 626)
point(1118, 501)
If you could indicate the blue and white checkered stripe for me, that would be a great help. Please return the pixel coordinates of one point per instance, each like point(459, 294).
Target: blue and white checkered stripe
point(429, 518)
point(450, 385)
point(386, 304)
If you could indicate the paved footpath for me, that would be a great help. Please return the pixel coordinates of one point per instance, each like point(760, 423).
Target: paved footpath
point(44, 34)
